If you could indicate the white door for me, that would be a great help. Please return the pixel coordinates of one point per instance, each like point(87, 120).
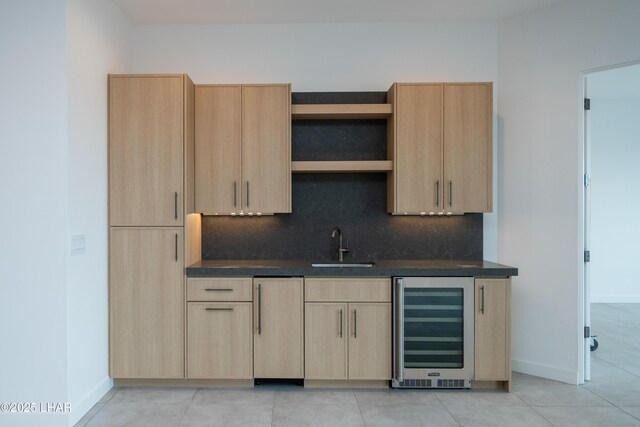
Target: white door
point(587, 232)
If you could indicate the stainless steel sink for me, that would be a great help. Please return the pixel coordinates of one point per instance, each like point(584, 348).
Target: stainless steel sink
point(343, 264)
point(246, 266)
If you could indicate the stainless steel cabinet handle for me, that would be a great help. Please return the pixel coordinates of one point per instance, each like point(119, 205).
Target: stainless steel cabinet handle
point(218, 289)
point(482, 299)
point(176, 246)
point(437, 192)
point(355, 323)
point(450, 193)
point(235, 194)
point(398, 342)
point(259, 309)
point(340, 323)
point(219, 309)
point(175, 205)
point(247, 193)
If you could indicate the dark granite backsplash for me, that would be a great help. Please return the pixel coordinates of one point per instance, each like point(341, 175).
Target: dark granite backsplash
point(354, 202)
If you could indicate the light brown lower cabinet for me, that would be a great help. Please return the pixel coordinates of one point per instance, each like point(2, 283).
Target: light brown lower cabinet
point(493, 330)
point(347, 340)
point(278, 335)
point(146, 302)
point(220, 340)
point(370, 341)
point(326, 341)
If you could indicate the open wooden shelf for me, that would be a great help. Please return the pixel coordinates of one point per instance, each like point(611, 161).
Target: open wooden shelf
point(341, 111)
point(342, 166)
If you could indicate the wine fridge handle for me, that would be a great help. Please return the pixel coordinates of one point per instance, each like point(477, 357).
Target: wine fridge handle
point(398, 342)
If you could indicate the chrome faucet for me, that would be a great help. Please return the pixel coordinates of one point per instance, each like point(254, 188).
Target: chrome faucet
point(341, 250)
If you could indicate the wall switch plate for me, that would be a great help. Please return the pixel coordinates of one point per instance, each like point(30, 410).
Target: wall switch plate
point(78, 244)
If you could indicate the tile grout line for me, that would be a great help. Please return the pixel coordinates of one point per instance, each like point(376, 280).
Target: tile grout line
point(273, 409)
point(618, 341)
point(542, 415)
point(446, 409)
point(600, 397)
point(355, 397)
point(601, 360)
point(188, 406)
point(102, 407)
point(628, 413)
point(519, 398)
point(93, 416)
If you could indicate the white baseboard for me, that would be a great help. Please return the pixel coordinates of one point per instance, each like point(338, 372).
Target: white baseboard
point(79, 409)
point(615, 299)
point(544, 371)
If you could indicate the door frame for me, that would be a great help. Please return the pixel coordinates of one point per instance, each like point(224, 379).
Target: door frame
point(584, 295)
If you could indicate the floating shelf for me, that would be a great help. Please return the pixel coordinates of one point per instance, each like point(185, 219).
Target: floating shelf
point(341, 111)
point(342, 166)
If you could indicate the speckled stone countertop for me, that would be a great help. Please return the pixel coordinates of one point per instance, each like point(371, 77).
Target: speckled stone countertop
point(399, 268)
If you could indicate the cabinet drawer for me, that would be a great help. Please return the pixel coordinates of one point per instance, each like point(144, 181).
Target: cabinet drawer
point(328, 289)
point(219, 289)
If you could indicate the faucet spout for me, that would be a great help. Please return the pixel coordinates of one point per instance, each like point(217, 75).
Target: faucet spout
point(341, 250)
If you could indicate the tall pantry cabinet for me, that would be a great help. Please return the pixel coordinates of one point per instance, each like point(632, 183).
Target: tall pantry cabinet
point(153, 232)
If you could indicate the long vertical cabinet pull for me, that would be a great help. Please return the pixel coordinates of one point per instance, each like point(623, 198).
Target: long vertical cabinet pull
point(482, 299)
point(437, 192)
point(176, 247)
point(398, 320)
point(450, 193)
point(235, 194)
point(340, 316)
point(355, 323)
point(175, 205)
point(259, 309)
point(247, 193)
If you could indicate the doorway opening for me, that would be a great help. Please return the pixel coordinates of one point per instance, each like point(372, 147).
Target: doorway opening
point(611, 229)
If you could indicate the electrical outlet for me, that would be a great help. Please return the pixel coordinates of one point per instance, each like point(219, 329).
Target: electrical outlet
point(78, 244)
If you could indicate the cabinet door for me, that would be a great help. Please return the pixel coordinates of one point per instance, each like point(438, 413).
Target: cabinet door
point(278, 328)
point(146, 303)
point(325, 345)
point(220, 340)
point(418, 153)
point(146, 150)
point(369, 341)
point(217, 163)
point(266, 148)
point(492, 329)
point(468, 147)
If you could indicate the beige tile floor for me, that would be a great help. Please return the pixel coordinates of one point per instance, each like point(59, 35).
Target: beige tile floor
point(612, 398)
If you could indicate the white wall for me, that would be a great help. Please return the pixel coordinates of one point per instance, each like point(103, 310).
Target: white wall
point(615, 199)
point(33, 207)
point(99, 42)
point(326, 57)
point(541, 56)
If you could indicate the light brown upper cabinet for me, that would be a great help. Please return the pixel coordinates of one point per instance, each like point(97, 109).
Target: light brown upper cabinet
point(147, 129)
point(243, 149)
point(440, 140)
point(218, 147)
point(468, 142)
point(278, 339)
point(418, 160)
